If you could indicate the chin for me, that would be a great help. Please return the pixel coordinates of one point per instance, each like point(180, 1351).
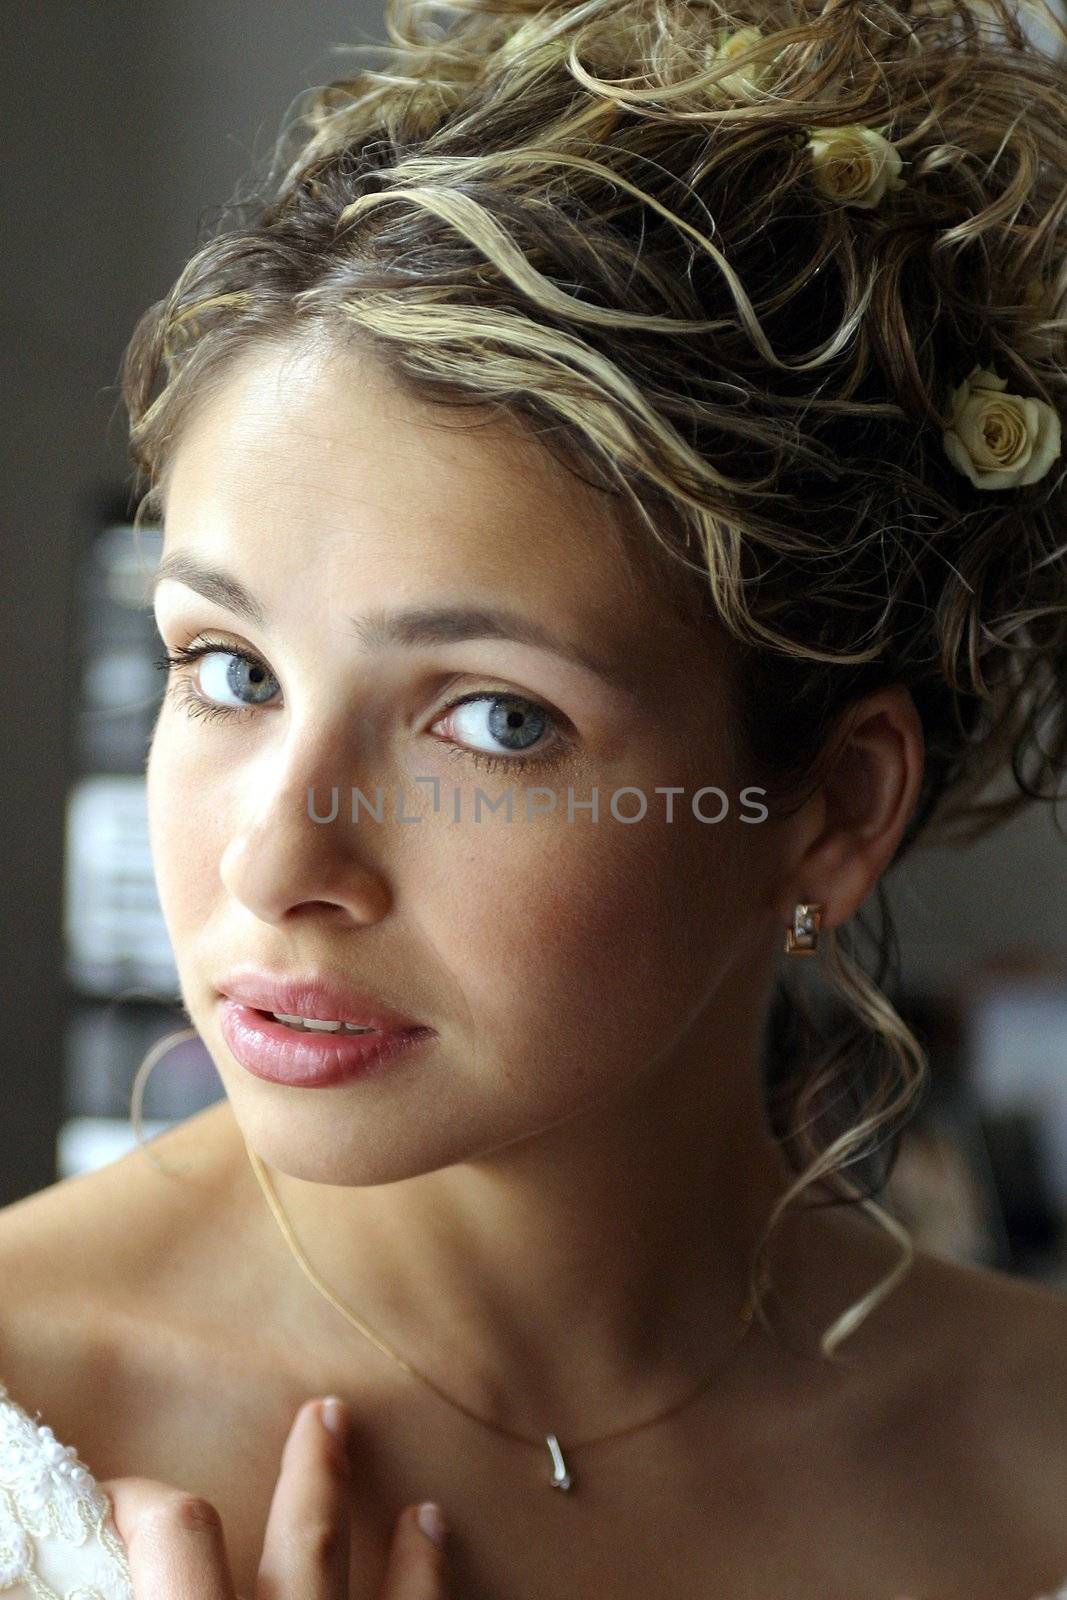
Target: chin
point(328, 1144)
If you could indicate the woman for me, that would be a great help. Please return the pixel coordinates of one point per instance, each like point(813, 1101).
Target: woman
point(612, 498)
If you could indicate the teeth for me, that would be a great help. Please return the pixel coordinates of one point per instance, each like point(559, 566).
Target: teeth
point(316, 1025)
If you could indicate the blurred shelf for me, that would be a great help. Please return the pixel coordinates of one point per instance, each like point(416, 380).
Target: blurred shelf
point(114, 928)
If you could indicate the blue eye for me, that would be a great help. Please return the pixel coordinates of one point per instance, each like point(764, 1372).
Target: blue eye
point(225, 670)
point(517, 726)
point(240, 675)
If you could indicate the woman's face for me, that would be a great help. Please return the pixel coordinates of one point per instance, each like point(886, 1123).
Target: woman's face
point(562, 961)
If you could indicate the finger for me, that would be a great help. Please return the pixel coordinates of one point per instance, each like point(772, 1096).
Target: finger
point(306, 1542)
point(417, 1568)
point(174, 1541)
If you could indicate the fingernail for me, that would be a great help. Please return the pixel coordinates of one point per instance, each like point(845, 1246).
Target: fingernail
point(334, 1415)
point(431, 1521)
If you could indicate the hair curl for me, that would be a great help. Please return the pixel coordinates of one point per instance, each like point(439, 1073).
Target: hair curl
point(601, 218)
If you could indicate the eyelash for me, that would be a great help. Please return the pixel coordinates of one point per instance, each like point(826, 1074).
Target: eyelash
point(175, 661)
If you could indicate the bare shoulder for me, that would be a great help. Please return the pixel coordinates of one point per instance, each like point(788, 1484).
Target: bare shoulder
point(989, 1370)
point(90, 1264)
point(1011, 1331)
point(950, 1399)
point(99, 1228)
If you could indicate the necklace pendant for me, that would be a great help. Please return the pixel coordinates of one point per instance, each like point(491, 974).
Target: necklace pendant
point(561, 1478)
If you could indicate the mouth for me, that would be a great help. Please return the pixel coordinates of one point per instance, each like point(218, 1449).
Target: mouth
point(315, 1024)
point(312, 1002)
point(312, 1052)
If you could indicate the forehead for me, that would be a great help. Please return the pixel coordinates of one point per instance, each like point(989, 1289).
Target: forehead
point(310, 458)
point(331, 430)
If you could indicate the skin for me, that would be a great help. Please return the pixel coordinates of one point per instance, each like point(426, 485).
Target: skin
point(176, 1545)
point(551, 1121)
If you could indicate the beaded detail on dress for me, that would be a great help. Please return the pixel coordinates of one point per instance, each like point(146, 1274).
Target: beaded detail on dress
point(56, 1539)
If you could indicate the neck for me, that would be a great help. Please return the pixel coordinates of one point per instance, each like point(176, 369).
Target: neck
point(592, 1271)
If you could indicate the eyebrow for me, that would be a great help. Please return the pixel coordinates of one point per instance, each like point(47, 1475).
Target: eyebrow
point(413, 626)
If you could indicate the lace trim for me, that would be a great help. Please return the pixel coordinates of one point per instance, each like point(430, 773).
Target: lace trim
point(46, 1492)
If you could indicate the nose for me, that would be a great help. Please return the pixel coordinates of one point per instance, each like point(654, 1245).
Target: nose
point(281, 862)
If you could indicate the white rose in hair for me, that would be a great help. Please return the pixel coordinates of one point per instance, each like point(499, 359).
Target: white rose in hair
point(1001, 441)
point(748, 77)
point(854, 165)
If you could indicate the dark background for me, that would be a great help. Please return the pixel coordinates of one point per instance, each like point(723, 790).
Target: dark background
point(127, 127)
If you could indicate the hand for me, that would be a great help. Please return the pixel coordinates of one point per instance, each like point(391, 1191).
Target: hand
point(176, 1548)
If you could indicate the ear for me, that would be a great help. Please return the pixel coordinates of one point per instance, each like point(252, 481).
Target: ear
point(846, 833)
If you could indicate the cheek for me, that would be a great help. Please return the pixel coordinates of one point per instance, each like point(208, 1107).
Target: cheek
point(184, 829)
point(587, 940)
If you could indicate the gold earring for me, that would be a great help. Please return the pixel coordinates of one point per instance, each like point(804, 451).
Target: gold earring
point(802, 939)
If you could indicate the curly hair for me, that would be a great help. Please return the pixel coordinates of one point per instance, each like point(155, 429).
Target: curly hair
point(737, 268)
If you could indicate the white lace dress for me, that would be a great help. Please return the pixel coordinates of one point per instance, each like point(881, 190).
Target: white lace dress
point(57, 1539)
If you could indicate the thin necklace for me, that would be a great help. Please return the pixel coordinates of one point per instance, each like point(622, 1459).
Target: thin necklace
point(562, 1477)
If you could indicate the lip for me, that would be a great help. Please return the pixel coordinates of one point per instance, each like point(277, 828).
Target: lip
point(280, 1054)
point(312, 995)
